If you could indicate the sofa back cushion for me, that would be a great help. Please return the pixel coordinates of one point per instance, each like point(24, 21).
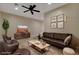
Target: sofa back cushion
point(23, 30)
point(60, 36)
point(56, 36)
point(48, 35)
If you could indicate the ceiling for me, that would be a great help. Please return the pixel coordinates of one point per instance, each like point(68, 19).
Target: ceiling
point(43, 7)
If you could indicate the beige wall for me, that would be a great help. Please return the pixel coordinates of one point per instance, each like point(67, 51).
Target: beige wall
point(71, 24)
point(34, 26)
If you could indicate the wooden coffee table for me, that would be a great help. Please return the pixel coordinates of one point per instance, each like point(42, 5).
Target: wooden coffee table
point(38, 45)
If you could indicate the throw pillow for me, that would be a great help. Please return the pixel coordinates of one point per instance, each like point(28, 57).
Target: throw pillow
point(8, 41)
point(67, 39)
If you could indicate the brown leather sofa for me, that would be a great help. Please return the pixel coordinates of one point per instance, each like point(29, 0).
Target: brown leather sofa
point(22, 33)
point(56, 39)
point(8, 46)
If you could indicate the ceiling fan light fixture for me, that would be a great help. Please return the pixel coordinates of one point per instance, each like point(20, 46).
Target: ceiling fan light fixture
point(49, 3)
point(16, 6)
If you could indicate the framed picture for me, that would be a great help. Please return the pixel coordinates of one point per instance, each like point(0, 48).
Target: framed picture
point(60, 17)
point(60, 25)
point(53, 25)
point(53, 19)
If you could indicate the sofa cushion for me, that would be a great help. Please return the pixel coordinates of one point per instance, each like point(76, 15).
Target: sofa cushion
point(51, 35)
point(54, 42)
point(48, 35)
point(60, 36)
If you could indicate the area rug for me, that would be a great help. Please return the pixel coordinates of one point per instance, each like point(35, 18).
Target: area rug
point(22, 51)
point(52, 50)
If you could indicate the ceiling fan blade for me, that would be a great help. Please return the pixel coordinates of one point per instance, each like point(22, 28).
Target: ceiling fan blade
point(36, 10)
point(26, 11)
point(25, 6)
point(33, 6)
point(32, 12)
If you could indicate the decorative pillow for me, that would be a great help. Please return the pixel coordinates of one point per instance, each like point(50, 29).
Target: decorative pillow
point(67, 39)
point(9, 41)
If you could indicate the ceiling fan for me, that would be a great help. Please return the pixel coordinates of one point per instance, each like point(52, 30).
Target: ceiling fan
point(30, 8)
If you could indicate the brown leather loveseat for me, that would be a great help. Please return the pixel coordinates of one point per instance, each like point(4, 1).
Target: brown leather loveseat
point(22, 33)
point(60, 40)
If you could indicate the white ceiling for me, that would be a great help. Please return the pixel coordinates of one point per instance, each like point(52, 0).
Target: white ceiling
point(43, 7)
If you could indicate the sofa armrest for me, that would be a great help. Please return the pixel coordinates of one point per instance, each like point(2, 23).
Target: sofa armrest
point(5, 53)
point(67, 40)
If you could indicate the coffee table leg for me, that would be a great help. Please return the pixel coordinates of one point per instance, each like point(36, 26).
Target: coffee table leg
point(47, 48)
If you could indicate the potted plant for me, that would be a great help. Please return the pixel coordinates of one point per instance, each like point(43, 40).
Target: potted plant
point(5, 26)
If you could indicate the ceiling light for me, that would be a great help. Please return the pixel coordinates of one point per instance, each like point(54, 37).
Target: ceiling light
point(16, 6)
point(49, 3)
